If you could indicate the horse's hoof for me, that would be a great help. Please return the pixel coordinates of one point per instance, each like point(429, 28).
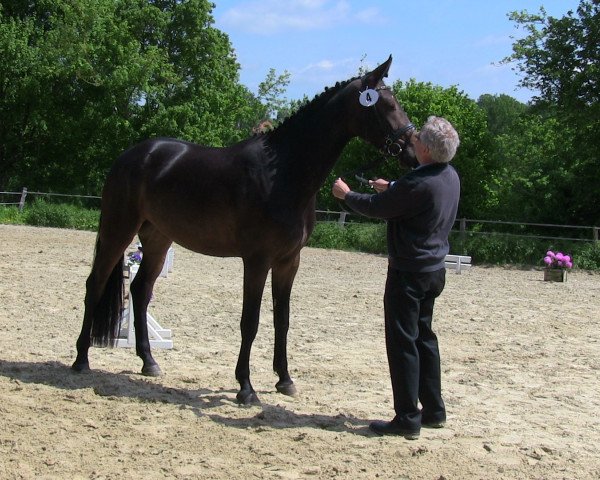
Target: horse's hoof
point(287, 389)
point(151, 371)
point(245, 397)
point(80, 367)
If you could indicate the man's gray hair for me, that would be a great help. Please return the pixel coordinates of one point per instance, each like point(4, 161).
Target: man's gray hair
point(441, 138)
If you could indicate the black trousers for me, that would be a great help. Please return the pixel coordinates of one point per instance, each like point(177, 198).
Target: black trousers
point(412, 346)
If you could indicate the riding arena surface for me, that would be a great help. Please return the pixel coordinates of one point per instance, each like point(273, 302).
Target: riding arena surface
point(520, 363)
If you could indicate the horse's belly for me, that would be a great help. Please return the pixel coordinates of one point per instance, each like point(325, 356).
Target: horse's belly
point(209, 236)
point(219, 224)
point(211, 247)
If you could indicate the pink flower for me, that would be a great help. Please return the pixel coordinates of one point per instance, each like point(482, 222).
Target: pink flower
point(558, 260)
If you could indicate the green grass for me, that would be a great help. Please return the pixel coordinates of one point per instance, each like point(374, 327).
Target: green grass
point(60, 215)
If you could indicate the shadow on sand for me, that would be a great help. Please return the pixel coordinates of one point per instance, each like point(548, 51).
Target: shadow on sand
point(200, 401)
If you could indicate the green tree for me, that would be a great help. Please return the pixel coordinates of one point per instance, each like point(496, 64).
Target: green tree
point(270, 94)
point(502, 112)
point(560, 58)
point(19, 92)
point(504, 117)
point(532, 182)
point(420, 100)
point(83, 80)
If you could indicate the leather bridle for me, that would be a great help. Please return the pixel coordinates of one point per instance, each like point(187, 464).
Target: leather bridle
point(396, 139)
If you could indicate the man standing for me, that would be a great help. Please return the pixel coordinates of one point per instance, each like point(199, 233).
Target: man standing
point(420, 209)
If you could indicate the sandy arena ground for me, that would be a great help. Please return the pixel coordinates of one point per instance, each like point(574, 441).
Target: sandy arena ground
point(521, 361)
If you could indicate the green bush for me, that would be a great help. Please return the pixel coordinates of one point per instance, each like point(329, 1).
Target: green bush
point(363, 237)
point(43, 214)
point(10, 215)
point(485, 249)
point(587, 257)
point(502, 249)
point(328, 235)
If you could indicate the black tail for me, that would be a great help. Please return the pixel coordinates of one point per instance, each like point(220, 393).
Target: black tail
point(107, 316)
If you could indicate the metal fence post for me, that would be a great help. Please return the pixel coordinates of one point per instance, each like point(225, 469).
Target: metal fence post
point(342, 219)
point(595, 233)
point(23, 197)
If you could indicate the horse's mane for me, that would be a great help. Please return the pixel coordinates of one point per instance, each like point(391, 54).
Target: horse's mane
point(306, 110)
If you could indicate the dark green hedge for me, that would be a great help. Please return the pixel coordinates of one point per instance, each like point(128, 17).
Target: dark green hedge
point(361, 237)
point(60, 215)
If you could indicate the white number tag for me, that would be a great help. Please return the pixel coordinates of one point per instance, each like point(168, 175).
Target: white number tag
point(369, 97)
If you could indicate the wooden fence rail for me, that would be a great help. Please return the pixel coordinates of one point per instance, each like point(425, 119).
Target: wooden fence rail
point(341, 218)
point(24, 193)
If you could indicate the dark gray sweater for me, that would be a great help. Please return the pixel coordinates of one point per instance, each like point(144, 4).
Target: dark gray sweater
point(420, 209)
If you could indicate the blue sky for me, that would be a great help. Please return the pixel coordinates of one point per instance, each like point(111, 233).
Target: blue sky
point(320, 42)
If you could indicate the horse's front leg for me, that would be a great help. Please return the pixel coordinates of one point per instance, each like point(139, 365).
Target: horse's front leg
point(255, 276)
point(283, 279)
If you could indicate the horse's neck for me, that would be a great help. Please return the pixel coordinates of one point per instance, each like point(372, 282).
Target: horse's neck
point(307, 153)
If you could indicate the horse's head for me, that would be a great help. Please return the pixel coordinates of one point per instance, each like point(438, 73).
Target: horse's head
point(376, 116)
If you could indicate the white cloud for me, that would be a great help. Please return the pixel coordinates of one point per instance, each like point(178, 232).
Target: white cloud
point(273, 16)
point(322, 65)
point(370, 15)
point(494, 40)
point(326, 72)
point(492, 69)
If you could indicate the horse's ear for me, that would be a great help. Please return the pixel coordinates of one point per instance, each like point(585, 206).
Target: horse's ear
point(371, 79)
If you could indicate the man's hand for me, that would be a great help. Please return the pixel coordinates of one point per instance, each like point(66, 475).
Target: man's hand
point(380, 185)
point(340, 189)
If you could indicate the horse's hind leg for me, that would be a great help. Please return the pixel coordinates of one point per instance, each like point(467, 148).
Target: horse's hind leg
point(154, 247)
point(283, 274)
point(104, 287)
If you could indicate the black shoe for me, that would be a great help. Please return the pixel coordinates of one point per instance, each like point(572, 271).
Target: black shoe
point(381, 427)
point(433, 424)
point(433, 421)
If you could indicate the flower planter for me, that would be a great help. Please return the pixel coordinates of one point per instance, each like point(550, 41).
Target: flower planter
point(555, 274)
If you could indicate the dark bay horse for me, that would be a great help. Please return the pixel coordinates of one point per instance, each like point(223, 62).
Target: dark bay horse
point(254, 200)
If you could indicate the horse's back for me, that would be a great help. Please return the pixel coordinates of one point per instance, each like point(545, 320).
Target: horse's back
point(208, 199)
point(154, 156)
point(159, 165)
